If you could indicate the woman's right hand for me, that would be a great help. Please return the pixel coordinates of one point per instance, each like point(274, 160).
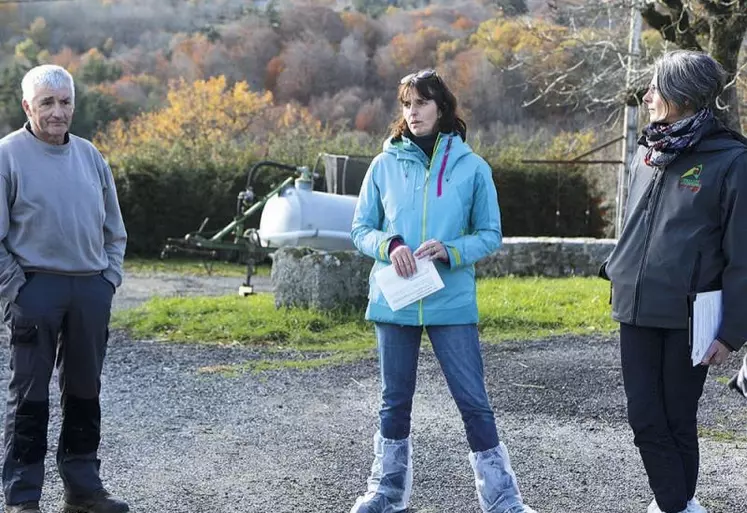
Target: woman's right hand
point(403, 261)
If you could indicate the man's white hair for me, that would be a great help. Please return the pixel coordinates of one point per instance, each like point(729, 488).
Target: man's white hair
point(49, 76)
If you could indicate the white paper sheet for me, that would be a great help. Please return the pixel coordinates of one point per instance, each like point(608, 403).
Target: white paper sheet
point(400, 292)
point(705, 324)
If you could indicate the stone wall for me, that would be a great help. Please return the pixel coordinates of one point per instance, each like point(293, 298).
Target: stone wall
point(546, 256)
point(306, 278)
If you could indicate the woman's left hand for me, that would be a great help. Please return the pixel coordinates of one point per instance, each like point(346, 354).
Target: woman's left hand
point(716, 354)
point(432, 250)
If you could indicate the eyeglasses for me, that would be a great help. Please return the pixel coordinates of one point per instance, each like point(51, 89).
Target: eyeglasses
point(419, 75)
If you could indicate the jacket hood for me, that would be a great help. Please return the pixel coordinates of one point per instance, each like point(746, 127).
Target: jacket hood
point(719, 137)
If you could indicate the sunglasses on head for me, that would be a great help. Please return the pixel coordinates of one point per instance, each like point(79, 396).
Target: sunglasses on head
point(419, 75)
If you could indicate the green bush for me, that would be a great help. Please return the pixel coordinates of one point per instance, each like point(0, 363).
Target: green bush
point(158, 202)
point(558, 201)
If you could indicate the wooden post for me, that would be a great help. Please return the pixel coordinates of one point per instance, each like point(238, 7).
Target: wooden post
point(630, 126)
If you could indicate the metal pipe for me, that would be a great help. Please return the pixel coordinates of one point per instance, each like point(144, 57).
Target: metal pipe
point(601, 147)
point(262, 163)
point(240, 219)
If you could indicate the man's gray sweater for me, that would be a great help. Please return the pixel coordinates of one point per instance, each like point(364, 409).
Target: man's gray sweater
point(59, 211)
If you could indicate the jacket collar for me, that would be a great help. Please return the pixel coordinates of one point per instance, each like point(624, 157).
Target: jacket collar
point(405, 149)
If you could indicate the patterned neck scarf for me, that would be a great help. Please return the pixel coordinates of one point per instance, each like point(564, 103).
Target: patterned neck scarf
point(666, 142)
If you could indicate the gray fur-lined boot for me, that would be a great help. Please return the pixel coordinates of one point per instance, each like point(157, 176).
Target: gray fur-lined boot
point(390, 482)
point(495, 481)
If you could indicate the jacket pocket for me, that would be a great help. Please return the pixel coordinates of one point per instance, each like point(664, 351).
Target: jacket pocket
point(110, 284)
point(29, 276)
point(23, 331)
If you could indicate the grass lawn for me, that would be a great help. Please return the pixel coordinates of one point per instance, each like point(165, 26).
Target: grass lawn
point(510, 309)
point(191, 267)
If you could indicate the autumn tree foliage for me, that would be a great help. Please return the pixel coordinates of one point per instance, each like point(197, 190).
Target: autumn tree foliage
point(205, 120)
point(407, 52)
point(559, 64)
point(343, 66)
point(514, 64)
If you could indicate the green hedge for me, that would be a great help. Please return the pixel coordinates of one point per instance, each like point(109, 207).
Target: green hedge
point(163, 199)
point(157, 204)
point(549, 201)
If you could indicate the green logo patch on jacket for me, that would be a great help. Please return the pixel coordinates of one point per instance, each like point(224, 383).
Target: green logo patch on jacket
point(690, 179)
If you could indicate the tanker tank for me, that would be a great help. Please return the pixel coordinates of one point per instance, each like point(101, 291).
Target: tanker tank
point(300, 216)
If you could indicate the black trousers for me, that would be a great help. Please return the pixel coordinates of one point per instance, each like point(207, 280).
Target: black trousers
point(663, 389)
point(56, 321)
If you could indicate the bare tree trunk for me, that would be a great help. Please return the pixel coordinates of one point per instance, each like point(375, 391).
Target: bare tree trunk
point(729, 114)
point(724, 45)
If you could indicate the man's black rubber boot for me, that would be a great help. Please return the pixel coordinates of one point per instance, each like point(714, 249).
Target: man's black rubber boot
point(26, 507)
point(100, 501)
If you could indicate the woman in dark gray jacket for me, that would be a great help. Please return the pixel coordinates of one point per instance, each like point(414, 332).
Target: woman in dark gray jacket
point(684, 232)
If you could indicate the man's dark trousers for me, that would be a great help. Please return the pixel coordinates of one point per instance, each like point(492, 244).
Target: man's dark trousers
point(57, 320)
point(663, 389)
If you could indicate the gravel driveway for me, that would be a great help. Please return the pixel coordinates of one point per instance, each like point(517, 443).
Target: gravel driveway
point(137, 288)
point(180, 440)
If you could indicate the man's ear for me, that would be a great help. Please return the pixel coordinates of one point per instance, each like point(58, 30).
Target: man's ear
point(26, 107)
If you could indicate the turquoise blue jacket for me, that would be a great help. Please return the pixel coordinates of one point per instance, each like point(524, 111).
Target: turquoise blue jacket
point(400, 198)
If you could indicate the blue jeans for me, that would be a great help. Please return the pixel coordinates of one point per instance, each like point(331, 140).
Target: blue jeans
point(458, 351)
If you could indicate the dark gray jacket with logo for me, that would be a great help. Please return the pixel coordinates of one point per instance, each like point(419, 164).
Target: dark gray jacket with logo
point(685, 231)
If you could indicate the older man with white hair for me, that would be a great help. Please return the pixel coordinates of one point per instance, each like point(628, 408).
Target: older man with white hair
point(62, 245)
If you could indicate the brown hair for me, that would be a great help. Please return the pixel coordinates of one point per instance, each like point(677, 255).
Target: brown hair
point(429, 85)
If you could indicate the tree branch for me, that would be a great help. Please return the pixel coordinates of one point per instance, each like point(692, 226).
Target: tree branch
point(661, 22)
point(718, 8)
point(674, 27)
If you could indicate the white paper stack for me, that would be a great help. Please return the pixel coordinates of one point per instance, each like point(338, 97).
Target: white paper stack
point(705, 323)
point(400, 292)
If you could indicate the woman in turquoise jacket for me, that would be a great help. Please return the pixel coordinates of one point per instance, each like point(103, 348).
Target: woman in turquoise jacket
point(428, 196)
